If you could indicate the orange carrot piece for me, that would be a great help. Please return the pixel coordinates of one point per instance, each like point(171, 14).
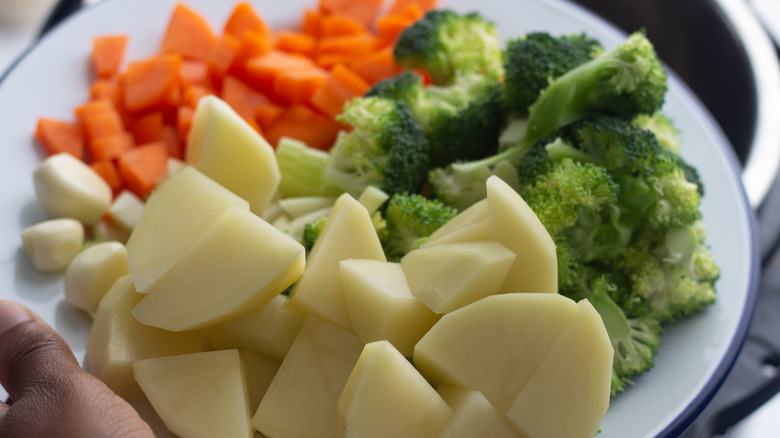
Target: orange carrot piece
point(390, 27)
point(377, 66)
point(296, 42)
point(298, 86)
point(107, 171)
point(222, 55)
point(302, 123)
point(151, 83)
point(362, 11)
point(57, 136)
point(174, 144)
point(184, 116)
point(241, 97)
point(188, 34)
point(110, 147)
point(143, 167)
point(399, 6)
point(341, 85)
point(107, 54)
point(340, 25)
point(194, 73)
point(348, 44)
point(312, 23)
point(147, 128)
point(252, 45)
point(262, 70)
point(191, 95)
point(99, 119)
point(267, 113)
point(245, 19)
point(414, 10)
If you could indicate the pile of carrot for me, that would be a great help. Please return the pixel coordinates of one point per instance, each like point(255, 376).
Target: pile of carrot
point(286, 82)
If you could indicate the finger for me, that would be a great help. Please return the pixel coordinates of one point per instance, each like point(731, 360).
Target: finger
point(33, 357)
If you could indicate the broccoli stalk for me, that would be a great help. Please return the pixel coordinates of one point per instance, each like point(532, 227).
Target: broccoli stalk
point(301, 167)
point(625, 81)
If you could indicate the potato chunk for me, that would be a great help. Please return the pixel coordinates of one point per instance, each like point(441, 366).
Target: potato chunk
point(386, 397)
point(239, 264)
point(198, 395)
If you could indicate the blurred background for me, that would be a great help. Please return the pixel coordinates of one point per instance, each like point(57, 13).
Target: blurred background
point(727, 53)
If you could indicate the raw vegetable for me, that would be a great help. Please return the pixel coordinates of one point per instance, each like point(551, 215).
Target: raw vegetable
point(53, 244)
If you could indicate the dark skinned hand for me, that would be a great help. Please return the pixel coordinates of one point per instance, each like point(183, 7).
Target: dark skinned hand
point(50, 394)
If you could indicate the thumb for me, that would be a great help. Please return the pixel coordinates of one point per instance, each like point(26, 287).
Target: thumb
point(33, 357)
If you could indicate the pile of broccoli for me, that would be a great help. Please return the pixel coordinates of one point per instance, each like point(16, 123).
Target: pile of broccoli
point(575, 128)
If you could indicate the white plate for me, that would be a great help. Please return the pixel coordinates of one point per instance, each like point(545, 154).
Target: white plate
point(695, 355)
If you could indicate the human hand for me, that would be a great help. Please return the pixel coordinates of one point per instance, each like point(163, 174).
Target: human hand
point(50, 394)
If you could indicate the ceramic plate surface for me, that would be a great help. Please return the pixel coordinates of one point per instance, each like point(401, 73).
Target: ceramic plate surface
point(695, 355)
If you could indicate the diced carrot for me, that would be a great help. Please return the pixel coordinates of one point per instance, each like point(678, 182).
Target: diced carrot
point(348, 44)
point(390, 27)
point(191, 95)
point(362, 11)
point(304, 124)
point(340, 25)
point(262, 70)
point(245, 19)
point(57, 136)
point(174, 144)
point(107, 54)
point(267, 113)
point(194, 73)
point(144, 167)
point(188, 34)
point(312, 23)
point(341, 85)
point(296, 42)
point(253, 123)
point(377, 66)
point(107, 171)
point(151, 83)
point(148, 128)
point(222, 55)
point(414, 10)
point(110, 147)
point(241, 97)
point(252, 45)
point(184, 117)
point(399, 6)
point(99, 119)
point(298, 86)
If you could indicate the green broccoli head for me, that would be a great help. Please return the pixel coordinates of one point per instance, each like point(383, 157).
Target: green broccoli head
point(672, 274)
point(635, 340)
point(385, 148)
point(446, 44)
point(561, 196)
point(410, 218)
point(625, 81)
point(665, 131)
point(311, 232)
point(406, 87)
point(533, 60)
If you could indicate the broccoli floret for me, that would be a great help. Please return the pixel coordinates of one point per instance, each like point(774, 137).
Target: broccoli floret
point(446, 44)
point(625, 81)
point(462, 120)
point(533, 60)
point(385, 148)
point(410, 218)
point(635, 340)
point(673, 274)
point(663, 128)
point(311, 232)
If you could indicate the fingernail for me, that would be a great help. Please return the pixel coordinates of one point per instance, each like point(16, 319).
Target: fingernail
point(12, 314)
